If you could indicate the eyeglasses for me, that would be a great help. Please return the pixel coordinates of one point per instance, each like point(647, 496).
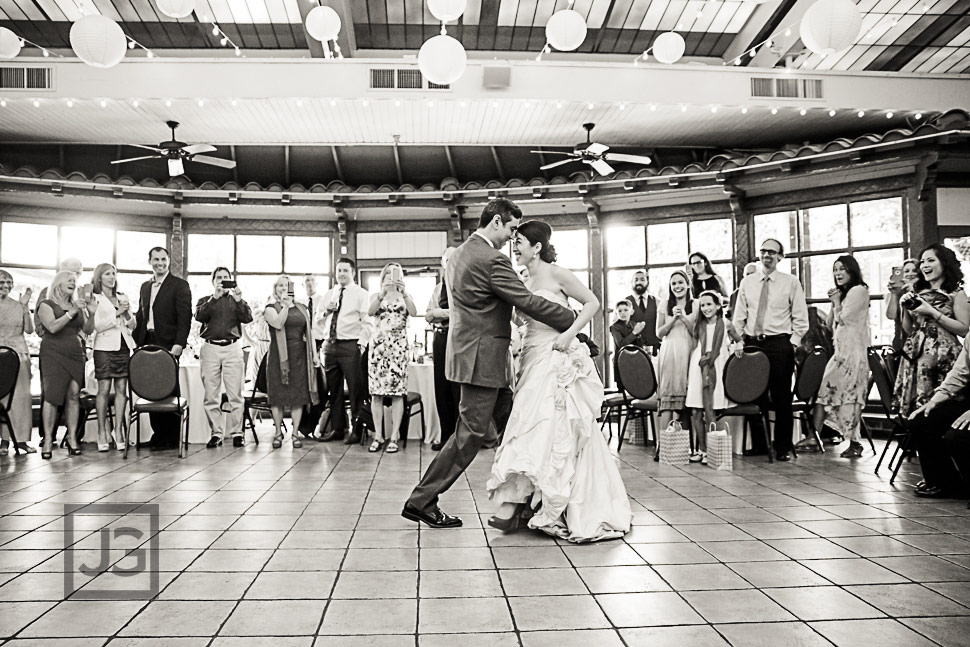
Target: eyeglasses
point(770, 252)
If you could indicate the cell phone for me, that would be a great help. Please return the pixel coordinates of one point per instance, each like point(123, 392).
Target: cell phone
point(396, 273)
point(896, 277)
point(290, 289)
point(230, 285)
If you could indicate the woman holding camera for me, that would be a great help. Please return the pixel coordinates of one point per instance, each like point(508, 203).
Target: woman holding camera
point(113, 323)
point(388, 359)
point(934, 315)
point(291, 380)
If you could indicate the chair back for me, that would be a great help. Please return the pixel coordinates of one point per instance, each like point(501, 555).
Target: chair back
point(746, 377)
point(634, 372)
point(808, 379)
point(260, 383)
point(880, 375)
point(9, 369)
point(153, 373)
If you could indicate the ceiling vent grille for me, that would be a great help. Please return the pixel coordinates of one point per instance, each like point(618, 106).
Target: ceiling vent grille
point(786, 88)
point(401, 79)
point(26, 78)
point(410, 80)
point(382, 79)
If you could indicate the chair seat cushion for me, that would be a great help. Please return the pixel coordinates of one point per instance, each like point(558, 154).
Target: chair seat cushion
point(741, 410)
point(413, 397)
point(613, 400)
point(652, 404)
point(168, 405)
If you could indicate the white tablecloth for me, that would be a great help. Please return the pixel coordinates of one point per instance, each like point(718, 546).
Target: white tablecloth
point(421, 380)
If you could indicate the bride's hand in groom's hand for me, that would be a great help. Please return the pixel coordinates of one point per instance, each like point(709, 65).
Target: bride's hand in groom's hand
point(563, 341)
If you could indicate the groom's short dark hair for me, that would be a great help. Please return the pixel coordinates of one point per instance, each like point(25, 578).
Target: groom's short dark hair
point(499, 207)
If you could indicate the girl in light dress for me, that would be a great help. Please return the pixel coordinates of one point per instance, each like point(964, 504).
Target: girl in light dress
point(715, 339)
point(674, 325)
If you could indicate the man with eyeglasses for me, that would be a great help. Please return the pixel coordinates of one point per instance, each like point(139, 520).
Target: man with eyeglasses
point(772, 313)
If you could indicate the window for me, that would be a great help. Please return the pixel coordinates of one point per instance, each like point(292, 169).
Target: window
point(132, 249)
point(27, 244)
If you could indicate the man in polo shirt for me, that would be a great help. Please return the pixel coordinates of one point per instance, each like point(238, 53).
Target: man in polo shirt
point(343, 311)
point(221, 358)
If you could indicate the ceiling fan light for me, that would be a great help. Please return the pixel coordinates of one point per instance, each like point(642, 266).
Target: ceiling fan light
point(175, 167)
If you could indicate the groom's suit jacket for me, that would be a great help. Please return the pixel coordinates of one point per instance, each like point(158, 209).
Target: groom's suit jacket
point(482, 289)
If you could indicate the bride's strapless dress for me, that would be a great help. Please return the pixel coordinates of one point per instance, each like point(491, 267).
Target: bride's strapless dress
point(553, 448)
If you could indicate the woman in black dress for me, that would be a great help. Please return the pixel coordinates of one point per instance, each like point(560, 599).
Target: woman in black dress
point(703, 277)
point(63, 318)
point(290, 375)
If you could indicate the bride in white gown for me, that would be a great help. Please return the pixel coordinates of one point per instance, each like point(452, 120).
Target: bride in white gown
point(554, 471)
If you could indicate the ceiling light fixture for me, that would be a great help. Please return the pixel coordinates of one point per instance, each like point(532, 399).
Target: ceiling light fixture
point(831, 113)
point(774, 111)
point(862, 113)
point(889, 115)
point(918, 115)
point(803, 112)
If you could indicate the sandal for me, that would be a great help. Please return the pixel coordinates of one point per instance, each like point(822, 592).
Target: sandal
point(297, 443)
point(375, 446)
point(278, 440)
point(391, 448)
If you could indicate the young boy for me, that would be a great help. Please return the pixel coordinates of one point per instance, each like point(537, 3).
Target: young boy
point(625, 333)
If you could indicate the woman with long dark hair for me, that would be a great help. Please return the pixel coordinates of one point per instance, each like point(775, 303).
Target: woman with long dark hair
point(843, 392)
point(935, 314)
point(702, 276)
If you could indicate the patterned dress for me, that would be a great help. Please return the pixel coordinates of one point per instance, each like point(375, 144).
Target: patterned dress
point(843, 390)
point(928, 354)
point(388, 357)
point(672, 363)
point(12, 336)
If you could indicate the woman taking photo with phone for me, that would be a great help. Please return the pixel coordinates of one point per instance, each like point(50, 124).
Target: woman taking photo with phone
point(113, 323)
point(934, 315)
point(901, 282)
point(388, 360)
point(291, 380)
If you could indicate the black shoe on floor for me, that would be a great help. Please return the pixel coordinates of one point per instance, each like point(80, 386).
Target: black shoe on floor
point(352, 439)
point(932, 492)
point(215, 441)
point(331, 436)
point(436, 518)
point(783, 456)
point(755, 452)
point(436, 447)
point(237, 441)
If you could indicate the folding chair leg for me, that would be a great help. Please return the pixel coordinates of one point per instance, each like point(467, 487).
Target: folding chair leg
point(904, 446)
point(771, 453)
point(889, 441)
point(818, 438)
point(619, 441)
point(865, 430)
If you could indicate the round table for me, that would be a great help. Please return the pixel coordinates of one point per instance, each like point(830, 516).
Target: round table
point(421, 380)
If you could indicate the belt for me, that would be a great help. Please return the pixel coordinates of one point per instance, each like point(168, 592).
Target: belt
point(221, 342)
point(766, 337)
point(441, 329)
point(342, 341)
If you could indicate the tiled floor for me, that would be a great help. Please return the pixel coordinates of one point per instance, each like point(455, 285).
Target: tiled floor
point(306, 547)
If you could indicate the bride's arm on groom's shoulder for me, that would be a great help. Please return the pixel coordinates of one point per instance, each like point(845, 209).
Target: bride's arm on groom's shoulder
point(574, 289)
point(508, 286)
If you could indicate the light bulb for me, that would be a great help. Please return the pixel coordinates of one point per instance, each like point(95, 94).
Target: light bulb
point(918, 115)
point(737, 61)
point(238, 53)
point(803, 112)
point(233, 103)
point(215, 30)
point(131, 44)
point(462, 103)
point(299, 103)
point(333, 102)
point(753, 52)
point(36, 103)
point(366, 103)
point(862, 113)
point(744, 110)
point(430, 104)
point(788, 32)
point(168, 103)
point(104, 104)
point(590, 106)
point(774, 111)
point(559, 105)
point(622, 106)
point(135, 103)
point(397, 103)
point(3, 103)
point(151, 54)
point(713, 109)
point(70, 104)
point(683, 108)
point(889, 115)
point(46, 53)
point(201, 102)
point(831, 113)
point(653, 107)
point(223, 41)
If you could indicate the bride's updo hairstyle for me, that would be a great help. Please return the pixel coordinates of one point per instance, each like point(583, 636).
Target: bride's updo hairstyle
point(536, 231)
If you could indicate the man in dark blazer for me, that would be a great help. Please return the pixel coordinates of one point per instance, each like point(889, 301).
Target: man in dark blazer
point(163, 319)
point(644, 310)
point(482, 288)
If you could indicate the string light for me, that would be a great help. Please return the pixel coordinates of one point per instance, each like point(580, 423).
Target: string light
point(918, 115)
point(862, 113)
point(744, 110)
point(132, 44)
point(3, 103)
point(135, 103)
point(889, 115)
point(104, 104)
point(37, 103)
point(70, 103)
point(233, 103)
point(223, 37)
point(803, 112)
point(774, 111)
point(43, 50)
point(201, 103)
point(168, 103)
point(831, 113)
point(713, 109)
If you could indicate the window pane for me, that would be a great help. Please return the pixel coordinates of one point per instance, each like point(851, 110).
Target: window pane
point(307, 255)
point(961, 247)
point(817, 279)
point(880, 327)
point(130, 283)
point(876, 222)
point(259, 253)
point(93, 245)
point(825, 228)
point(667, 243)
point(28, 244)
point(713, 238)
point(659, 281)
point(777, 226)
point(133, 248)
point(726, 272)
point(625, 246)
point(208, 251)
point(257, 289)
point(619, 285)
point(877, 266)
point(24, 278)
point(572, 248)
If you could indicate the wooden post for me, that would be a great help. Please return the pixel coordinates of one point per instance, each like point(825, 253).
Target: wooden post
point(596, 281)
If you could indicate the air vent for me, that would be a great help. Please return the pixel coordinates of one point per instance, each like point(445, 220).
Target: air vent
point(26, 78)
point(401, 79)
point(382, 79)
point(786, 88)
point(410, 80)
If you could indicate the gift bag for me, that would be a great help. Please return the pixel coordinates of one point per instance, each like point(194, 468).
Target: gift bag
point(674, 445)
point(635, 433)
point(719, 448)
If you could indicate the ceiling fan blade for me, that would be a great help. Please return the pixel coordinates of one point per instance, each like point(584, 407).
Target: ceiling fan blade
point(597, 149)
point(601, 167)
point(214, 161)
point(136, 159)
point(195, 149)
point(555, 164)
point(622, 157)
point(552, 153)
point(148, 148)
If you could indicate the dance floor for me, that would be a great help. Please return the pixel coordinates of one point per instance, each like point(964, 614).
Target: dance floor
point(306, 547)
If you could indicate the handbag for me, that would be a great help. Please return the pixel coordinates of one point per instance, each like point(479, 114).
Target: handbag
point(674, 444)
point(720, 454)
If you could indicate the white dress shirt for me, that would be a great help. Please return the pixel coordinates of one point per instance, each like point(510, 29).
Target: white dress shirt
point(156, 284)
point(787, 312)
point(353, 321)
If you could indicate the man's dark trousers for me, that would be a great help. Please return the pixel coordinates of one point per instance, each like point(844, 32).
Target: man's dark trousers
point(447, 394)
point(944, 453)
point(781, 361)
point(341, 359)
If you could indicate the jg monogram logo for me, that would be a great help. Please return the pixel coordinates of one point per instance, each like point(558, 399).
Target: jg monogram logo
point(122, 552)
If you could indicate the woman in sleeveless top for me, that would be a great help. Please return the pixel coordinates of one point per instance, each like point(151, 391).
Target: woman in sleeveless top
point(15, 322)
point(703, 277)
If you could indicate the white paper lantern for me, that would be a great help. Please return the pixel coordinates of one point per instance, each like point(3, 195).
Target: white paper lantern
point(442, 60)
point(669, 47)
point(447, 10)
point(176, 8)
point(10, 44)
point(830, 26)
point(323, 23)
point(566, 30)
point(98, 41)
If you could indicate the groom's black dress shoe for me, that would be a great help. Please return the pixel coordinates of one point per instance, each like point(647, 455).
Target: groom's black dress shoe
point(436, 518)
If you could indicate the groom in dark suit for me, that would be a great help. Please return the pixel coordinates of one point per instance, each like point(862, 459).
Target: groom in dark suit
point(164, 319)
point(482, 289)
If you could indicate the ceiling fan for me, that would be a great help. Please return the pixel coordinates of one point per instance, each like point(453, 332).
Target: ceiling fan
point(177, 152)
point(594, 155)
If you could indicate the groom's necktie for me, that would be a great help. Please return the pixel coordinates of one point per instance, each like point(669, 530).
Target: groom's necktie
point(336, 314)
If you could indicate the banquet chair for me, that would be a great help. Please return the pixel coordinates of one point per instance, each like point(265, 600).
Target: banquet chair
point(808, 381)
point(9, 369)
point(257, 400)
point(745, 381)
point(634, 371)
point(413, 406)
point(153, 387)
point(900, 426)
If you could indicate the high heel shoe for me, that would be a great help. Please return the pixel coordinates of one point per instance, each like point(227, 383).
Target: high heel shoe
point(71, 449)
point(278, 440)
point(24, 447)
point(297, 443)
point(46, 452)
point(518, 520)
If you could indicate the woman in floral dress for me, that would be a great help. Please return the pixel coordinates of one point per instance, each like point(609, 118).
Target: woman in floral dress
point(935, 314)
point(388, 356)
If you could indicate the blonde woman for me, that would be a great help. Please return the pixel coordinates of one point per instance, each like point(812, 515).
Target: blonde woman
point(113, 343)
point(291, 380)
point(62, 357)
point(15, 322)
point(388, 357)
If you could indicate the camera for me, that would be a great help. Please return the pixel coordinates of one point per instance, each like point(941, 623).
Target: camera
point(228, 285)
point(912, 304)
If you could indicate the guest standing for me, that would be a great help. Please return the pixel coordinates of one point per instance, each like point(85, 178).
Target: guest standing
point(221, 359)
point(644, 310)
point(674, 325)
point(344, 311)
point(703, 277)
point(72, 265)
point(773, 316)
point(311, 417)
point(113, 323)
point(15, 322)
point(446, 392)
point(842, 395)
point(388, 362)
point(164, 319)
point(623, 330)
point(895, 290)
point(934, 315)
point(290, 368)
point(62, 357)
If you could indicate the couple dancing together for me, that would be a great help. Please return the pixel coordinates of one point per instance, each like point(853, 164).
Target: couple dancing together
point(553, 470)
